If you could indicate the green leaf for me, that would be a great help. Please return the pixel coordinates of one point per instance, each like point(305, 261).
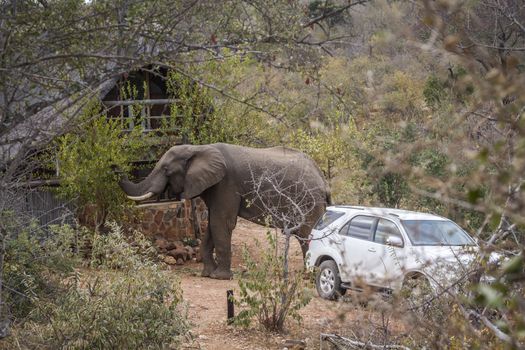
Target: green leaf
point(474, 195)
point(489, 296)
point(514, 265)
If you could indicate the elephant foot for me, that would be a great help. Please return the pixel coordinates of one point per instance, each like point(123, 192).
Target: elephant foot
point(208, 270)
point(221, 274)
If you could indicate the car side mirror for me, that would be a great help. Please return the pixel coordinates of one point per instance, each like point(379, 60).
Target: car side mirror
point(394, 241)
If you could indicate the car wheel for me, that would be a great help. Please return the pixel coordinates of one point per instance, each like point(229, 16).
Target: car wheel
point(328, 281)
point(416, 292)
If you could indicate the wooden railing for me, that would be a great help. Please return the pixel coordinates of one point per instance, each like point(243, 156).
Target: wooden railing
point(147, 120)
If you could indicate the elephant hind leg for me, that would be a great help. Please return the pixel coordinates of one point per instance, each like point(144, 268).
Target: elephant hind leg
point(304, 232)
point(302, 236)
point(304, 247)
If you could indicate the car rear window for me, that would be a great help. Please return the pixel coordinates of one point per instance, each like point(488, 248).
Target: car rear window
point(328, 217)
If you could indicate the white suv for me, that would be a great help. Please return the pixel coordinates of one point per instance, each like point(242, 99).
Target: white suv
point(384, 248)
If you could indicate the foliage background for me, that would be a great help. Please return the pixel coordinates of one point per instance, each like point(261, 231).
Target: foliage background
point(417, 105)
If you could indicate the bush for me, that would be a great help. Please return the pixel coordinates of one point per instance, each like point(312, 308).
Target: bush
point(434, 92)
point(86, 157)
point(114, 250)
point(138, 309)
point(135, 305)
point(34, 263)
point(266, 294)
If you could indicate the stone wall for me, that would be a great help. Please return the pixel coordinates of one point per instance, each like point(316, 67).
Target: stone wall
point(173, 221)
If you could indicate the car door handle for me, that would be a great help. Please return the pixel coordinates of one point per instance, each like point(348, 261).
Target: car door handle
point(373, 250)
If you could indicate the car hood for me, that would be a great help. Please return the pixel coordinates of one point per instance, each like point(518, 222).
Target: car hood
point(449, 263)
point(445, 254)
point(445, 264)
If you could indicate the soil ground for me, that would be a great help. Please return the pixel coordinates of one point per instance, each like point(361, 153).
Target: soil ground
point(206, 302)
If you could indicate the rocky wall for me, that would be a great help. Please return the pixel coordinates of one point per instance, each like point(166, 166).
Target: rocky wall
point(173, 221)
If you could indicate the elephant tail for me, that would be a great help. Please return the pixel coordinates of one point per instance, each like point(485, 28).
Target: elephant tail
point(328, 197)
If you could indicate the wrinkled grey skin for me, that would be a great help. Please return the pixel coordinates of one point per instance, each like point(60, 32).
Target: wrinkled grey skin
point(223, 175)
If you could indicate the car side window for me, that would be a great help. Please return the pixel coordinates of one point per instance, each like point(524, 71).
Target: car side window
point(359, 227)
point(344, 230)
point(328, 217)
point(386, 228)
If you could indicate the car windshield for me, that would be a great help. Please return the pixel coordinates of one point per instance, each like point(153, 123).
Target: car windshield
point(436, 232)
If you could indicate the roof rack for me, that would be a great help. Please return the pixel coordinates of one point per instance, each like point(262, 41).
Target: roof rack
point(440, 216)
point(393, 214)
point(349, 207)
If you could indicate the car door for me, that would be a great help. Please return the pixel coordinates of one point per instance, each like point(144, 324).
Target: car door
point(387, 255)
point(356, 244)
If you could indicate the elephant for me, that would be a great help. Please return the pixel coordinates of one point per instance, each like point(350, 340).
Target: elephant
point(237, 181)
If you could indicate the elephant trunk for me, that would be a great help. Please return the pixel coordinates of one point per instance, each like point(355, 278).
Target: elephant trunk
point(142, 190)
point(134, 191)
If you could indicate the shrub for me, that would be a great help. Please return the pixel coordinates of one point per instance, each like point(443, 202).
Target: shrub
point(434, 92)
point(403, 95)
point(134, 306)
point(266, 294)
point(86, 157)
point(34, 262)
point(115, 250)
point(138, 309)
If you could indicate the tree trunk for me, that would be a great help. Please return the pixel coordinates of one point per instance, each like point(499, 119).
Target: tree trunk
point(4, 322)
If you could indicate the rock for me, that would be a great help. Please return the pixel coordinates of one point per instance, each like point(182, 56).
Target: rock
point(170, 260)
point(158, 217)
point(198, 257)
point(179, 253)
point(178, 245)
point(294, 344)
point(4, 328)
point(168, 216)
point(190, 251)
point(148, 216)
point(161, 243)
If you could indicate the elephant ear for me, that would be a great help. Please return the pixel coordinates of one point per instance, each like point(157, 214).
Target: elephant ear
point(206, 168)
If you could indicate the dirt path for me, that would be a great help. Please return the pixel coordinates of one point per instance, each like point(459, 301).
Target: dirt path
point(206, 300)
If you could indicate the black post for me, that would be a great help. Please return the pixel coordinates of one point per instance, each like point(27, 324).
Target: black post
point(229, 301)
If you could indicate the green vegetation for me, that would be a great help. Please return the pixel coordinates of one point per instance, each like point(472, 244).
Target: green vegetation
point(416, 105)
point(268, 293)
point(127, 302)
point(138, 309)
point(33, 270)
point(115, 250)
point(86, 157)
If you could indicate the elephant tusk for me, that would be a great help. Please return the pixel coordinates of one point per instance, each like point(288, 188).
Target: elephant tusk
point(141, 198)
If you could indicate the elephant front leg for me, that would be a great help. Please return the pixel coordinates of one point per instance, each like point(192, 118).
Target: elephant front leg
point(207, 254)
point(223, 206)
point(222, 241)
point(221, 232)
